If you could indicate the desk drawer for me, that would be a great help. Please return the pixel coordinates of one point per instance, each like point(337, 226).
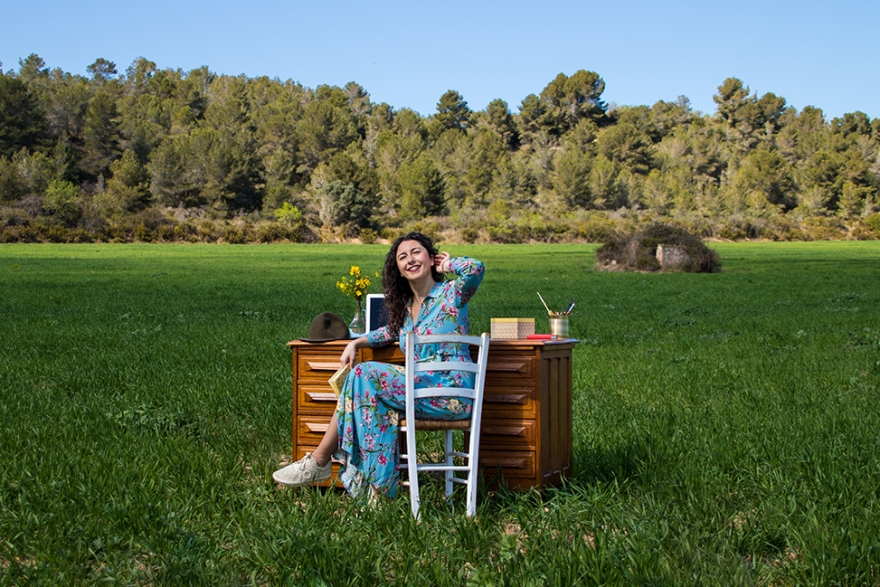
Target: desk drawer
point(310, 429)
point(317, 366)
point(504, 367)
point(508, 434)
point(315, 396)
point(512, 401)
point(510, 464)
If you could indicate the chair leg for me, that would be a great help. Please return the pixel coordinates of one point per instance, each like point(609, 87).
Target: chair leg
point(471, 488)
point(447, 442)
point(412, 464)
point(472, 476)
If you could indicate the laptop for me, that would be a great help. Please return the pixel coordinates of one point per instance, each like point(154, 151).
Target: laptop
point(376, 314)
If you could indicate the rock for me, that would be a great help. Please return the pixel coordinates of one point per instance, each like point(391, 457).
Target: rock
point(672, 257)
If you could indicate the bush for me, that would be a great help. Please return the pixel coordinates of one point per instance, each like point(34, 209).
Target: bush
point(62, 202)
point(469, 234)
point(638, 251)
point(818, 228)
point(186, 231)
point(272, 232)
point(596, 228)
point(501, 234)
point(431, 229)
point(166, 233)
point(872, 224)
point(13, 217)
point(207, 231)
point(238, 235)
point(390, 233)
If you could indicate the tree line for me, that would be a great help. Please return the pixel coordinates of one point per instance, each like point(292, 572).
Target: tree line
point(163, 154)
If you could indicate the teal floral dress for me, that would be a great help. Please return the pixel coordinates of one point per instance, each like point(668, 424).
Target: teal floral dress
point(373, 396)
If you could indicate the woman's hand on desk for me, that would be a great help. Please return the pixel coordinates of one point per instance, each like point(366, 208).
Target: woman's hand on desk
point(350, 353)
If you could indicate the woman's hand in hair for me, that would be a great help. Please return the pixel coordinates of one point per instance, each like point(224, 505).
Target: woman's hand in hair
point(441, 262)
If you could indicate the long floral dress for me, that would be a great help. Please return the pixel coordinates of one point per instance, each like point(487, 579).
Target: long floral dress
point(374, 393)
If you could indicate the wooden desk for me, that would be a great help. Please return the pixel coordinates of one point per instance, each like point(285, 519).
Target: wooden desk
point(526, 435)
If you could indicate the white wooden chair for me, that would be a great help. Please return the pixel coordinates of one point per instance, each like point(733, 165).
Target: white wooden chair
point(409, 425)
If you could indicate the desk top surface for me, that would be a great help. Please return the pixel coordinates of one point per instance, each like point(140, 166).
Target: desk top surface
point(495, 342)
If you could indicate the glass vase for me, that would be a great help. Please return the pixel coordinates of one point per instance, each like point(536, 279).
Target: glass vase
point(358, 324)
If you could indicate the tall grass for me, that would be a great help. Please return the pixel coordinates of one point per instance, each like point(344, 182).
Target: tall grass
point(725, 424)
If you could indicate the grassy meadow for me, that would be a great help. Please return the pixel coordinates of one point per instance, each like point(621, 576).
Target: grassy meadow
point(725, 425)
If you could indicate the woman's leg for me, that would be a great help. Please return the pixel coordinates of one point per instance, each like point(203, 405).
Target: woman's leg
point(328, 444)
point(313, 468)
point(368, 413)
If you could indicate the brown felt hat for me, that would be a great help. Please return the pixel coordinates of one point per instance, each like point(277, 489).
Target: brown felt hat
point(327, 326)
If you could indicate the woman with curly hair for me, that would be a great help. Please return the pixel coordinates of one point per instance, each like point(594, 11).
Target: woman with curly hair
point(363, 432)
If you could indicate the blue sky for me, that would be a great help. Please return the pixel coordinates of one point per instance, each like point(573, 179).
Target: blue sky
point(822, 54)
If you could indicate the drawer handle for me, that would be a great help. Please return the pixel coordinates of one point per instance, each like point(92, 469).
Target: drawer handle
point(509, 366)
point(504, 430)
point(319, 428)
point(318, 396)
point(321, 366)
point(506, 463)
point(509, 398)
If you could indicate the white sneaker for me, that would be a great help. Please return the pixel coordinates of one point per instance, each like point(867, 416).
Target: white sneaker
point(305, 471)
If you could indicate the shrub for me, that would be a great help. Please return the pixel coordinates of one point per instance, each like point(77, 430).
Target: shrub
point(823, 228)
point(62, 202)
point(390, 234)
point(872, 223)
point(149, 224)
point(56, 234)
point(82, 236)
point(289, 215)
point(596, 228)
point(166, 233)
point(638, 251)
point(271, 232)
point(13, 217)
point(368, 236)
point(431, 229)
point(186, 231)
point(469, 234)
point(501, 234)
point(207, 231)
point(143, 233)
point(238, 235)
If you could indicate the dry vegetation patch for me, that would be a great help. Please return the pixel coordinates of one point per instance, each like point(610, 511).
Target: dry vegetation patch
point(659, 247)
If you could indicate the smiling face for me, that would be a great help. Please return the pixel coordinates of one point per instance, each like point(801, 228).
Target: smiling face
point(413, 260)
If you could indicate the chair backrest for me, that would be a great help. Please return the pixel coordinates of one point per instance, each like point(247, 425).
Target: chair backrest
point(436, 364)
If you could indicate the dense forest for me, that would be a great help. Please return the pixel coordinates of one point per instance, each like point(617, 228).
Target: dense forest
point(167, 155)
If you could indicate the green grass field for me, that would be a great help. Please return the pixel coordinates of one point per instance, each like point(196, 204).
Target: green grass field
point(726, 425)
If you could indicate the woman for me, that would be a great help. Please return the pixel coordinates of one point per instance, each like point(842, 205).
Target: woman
point(363, 431)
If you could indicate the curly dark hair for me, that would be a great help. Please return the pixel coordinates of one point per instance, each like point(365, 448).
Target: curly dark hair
point(398, 292)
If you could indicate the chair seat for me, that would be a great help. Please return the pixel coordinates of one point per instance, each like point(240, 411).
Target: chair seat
point(439, 424)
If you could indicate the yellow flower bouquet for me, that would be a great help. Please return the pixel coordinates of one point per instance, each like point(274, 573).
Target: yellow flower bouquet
point(355, 285)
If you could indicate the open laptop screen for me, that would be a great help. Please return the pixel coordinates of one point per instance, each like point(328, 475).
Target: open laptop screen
point(376, 314)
